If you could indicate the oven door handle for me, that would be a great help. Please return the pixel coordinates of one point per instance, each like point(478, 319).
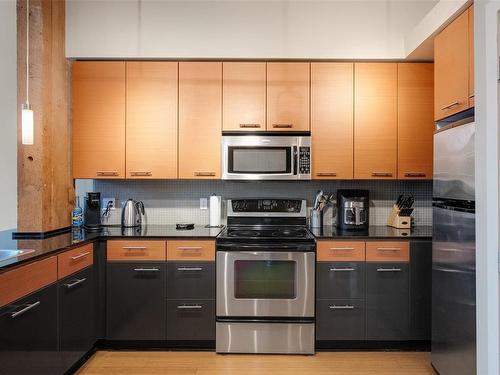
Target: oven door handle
point(263, 247)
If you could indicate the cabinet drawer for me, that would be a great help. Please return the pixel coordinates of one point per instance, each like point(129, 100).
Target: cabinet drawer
point(26, 279)
point(387, 251)
point(136, 250)
point(340, 280)
point(191, 250)
point(190, 319)
point(340, 251)
point(191, 280)
point(340, 319)
point(74, 260)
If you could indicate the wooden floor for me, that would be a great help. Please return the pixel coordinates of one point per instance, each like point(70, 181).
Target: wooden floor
point(209, 363)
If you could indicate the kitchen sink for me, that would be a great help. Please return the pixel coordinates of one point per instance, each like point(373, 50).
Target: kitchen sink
point(9, 254)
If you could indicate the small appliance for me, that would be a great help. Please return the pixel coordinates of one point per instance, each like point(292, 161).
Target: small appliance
point(92, 212)
point(353, 209)
point(266, 157)
point(132, 213)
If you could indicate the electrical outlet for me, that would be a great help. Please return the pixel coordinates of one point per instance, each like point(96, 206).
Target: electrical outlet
point(105, 202)
point(203, 203)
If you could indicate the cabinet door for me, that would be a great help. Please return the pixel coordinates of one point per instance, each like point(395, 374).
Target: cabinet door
point(415, 120)
point(420, 290)
point(98, 116)
point(191, 319)
point(288, 96)
point(387, 301)
point(471, 57)
point(340, 319)
point(340, 280)
point(244, 96)
point(451, 69)
point(136, 301)
point(151, 119)
point(76, 316)
point(191, 280)
point(375, 120)
point(200, 119)
point(332, 120)
point(28, 334)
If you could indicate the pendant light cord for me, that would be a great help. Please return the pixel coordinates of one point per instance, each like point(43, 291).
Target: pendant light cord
point(27, 51)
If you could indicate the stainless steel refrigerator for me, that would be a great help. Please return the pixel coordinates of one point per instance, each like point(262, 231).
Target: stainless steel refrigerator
point(453, 252)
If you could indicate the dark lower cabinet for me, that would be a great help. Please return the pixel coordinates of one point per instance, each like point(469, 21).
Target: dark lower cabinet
point(76, 316)
point(190, 280)
point(340, 319)
point(28, 334)
point(136, 301)
point(387, 301)
point(420, 290)
point(190, 319)
point(340, 280)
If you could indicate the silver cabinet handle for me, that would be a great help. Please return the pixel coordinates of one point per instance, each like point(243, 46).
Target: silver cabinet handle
point(190, 248)
point(450, 105)
point(189, 307)
point(106, 173)
point(134, 247)
point(341, 307)
point(282, 126)
point(146, 269)
point(346, 269)
point(333, 174)
point(141, 173)
point(82, 255)
point(415, 174)
point(249, 125)
point(205, 174)
point(75, 283)
point(388, 249)
point(27, 308)
point(382, 174)
point(341, 248)
point(471, 96)
point(189, 269)
point(388, 269)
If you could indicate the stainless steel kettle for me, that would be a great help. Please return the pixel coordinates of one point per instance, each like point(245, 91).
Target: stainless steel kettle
point(132, 213)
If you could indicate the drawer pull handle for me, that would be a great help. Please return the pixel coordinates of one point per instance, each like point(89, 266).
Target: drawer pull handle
point(346, 269)
point(189, 307)
point(450, 106)
point(141, 173)
point(204, 174)
point(471, 96)
point(341, 248)
point(282, 126)
point(333, 174)
point(107, 173)
point(134, 247)
point(388, 269)
point(341, 307)
point(415, 174)
point(249, 125)
point(27, 308)
point(192, 248)
point(75, 283)
point(82, 255)
point(146, 269)
point(388, 249)
point(382, 174)
point(189, 269)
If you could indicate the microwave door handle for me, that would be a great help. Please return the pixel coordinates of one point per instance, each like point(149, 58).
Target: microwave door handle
point(295, 158)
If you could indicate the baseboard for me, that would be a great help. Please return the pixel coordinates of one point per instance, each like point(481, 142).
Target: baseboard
point(411, 345)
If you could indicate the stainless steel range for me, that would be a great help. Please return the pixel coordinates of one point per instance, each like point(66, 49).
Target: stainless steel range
point(265, 278)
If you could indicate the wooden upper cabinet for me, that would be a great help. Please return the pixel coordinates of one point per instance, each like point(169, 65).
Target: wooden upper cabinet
point(332, 120)
point(151, 136)
point(375, 120)
point(98, 116)
point(288, 96)
point(200, 119)
point(415, 120)
point(244, 96)
point(471, 56)
point(451, 69)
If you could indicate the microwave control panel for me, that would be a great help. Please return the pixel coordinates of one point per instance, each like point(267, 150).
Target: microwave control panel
point(304, 160)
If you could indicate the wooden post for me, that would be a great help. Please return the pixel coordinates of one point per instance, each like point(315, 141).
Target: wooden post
point(45, 185)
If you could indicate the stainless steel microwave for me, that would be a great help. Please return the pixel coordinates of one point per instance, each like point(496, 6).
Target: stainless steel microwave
point(266, 157)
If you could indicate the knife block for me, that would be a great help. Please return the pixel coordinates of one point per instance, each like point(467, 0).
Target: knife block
point(396, 221)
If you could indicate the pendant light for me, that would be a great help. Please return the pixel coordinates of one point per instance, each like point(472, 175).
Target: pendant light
point(26, 111)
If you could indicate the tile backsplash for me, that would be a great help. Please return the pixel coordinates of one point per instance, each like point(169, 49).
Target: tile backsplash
point(176, 201)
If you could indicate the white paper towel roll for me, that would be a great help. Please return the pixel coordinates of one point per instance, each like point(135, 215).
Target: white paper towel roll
point(215, 210)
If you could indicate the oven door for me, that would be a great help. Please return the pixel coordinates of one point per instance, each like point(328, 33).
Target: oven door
point(265, 284)
point(259, 158)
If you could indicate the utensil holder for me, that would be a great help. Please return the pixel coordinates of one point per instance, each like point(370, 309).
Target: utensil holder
point(316, 218)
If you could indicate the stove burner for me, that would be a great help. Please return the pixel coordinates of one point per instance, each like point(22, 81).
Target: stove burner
point(243, 233)
point(288, 233)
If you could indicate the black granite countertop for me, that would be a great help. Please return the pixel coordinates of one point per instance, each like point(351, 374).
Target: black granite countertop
point(381, 232)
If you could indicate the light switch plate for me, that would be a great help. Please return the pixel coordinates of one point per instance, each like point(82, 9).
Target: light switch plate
point(203, 203)
point(105, 203)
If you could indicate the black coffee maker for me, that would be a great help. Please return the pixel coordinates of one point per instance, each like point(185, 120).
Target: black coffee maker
point(92, 212)
point(353, 209)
